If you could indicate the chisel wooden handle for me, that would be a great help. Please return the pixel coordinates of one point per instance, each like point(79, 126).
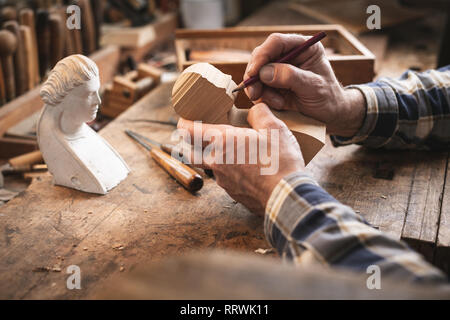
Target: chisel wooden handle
point(186, 176)
point(20, 68)
point(87, 26)
point(2, 87)
point(26, 18)
point(57, 38)
point(8, 45)
point(44, 40)
point(25, 33)
point(169, 148)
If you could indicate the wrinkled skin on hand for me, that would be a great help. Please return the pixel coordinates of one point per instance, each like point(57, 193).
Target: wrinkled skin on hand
point(244, 182)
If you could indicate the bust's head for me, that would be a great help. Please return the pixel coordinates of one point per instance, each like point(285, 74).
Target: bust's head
point(73, 86)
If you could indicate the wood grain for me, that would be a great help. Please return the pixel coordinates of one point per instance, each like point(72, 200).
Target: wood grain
point(2, 87)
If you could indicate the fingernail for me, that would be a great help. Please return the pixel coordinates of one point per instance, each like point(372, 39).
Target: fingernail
point(266, 73)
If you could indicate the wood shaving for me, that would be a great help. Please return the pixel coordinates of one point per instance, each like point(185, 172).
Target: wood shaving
point(264, 251)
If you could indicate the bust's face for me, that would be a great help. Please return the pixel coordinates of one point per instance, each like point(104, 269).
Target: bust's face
point(85, 101)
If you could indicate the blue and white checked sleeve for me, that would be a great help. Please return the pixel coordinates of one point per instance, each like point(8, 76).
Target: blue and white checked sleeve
point(307, 225)
point(412, 112)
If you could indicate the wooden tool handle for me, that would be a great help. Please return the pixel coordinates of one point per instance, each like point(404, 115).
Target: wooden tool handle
point(2, 87)
point(56, 32)
point(44, 40)
point(26, 159)
point(8, 45)
point(88, 26)
point(187, 177)
point(27, 19)
point(25, 33)
point(20, 67)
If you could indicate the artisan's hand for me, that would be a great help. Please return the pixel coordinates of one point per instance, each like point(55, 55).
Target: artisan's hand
point(244, 182)
point(307, 85)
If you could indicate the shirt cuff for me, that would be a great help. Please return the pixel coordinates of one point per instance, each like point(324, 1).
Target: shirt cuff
point(277, 211)
point(381, 119)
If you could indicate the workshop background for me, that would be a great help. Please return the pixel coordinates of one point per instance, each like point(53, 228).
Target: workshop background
point(151, 238)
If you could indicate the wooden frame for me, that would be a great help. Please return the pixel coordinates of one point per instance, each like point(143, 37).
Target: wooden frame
point(107, 60)
point(354, 64)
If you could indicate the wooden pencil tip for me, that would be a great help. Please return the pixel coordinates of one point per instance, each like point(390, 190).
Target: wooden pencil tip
point(238, 88)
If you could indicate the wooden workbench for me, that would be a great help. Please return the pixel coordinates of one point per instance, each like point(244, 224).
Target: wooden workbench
point(149, 216)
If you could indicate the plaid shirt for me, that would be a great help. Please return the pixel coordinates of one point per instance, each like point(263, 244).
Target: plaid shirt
point(309, 226)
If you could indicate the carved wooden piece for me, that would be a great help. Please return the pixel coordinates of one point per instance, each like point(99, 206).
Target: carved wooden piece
point(203, 92)
point(76, 156)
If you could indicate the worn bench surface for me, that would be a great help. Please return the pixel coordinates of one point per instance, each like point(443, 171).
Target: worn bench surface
point(149, 216)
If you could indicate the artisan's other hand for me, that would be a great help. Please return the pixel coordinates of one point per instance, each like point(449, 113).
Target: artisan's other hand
point(308, 84)
point(244, 182)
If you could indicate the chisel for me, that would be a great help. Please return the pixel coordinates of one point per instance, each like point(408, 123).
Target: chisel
point(169, 148)
point(186, 176)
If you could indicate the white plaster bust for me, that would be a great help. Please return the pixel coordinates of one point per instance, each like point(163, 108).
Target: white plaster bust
point(76, 155)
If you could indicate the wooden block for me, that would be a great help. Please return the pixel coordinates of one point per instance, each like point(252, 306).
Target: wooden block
point(203, 92)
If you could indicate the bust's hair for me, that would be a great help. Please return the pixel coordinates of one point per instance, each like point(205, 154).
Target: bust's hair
point(67, 74)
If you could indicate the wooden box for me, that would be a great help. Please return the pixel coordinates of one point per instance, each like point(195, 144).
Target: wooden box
point(352, 62)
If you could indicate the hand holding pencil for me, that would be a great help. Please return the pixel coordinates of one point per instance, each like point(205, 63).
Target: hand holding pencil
point(304, 82)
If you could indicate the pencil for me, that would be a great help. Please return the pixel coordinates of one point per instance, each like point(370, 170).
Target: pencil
point(288, 57)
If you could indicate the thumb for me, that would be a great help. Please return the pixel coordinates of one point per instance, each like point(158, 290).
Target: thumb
point(260, 117)
point(287, 76)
